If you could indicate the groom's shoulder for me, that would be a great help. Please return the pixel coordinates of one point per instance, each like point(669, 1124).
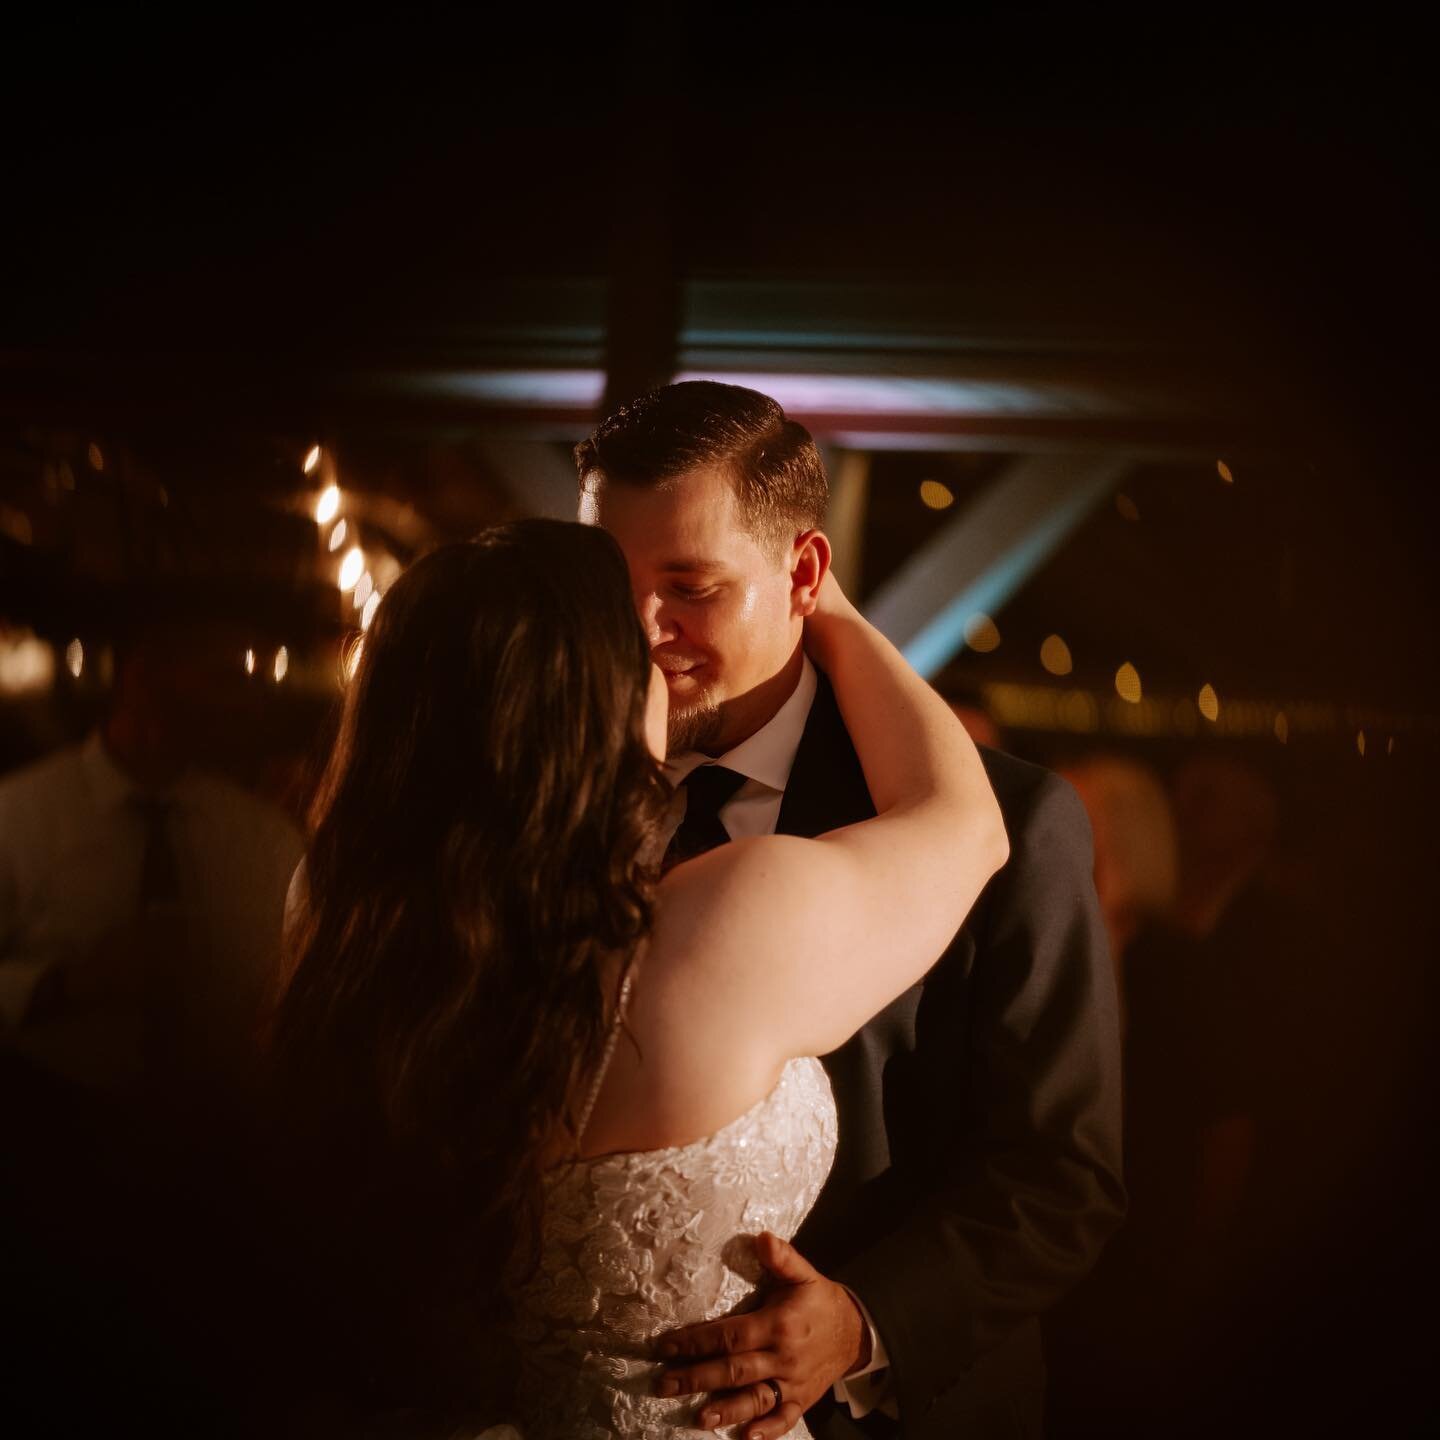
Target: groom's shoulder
point(1043, 811)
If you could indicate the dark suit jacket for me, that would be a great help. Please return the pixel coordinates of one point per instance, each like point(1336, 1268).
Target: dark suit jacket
point(978, 1170)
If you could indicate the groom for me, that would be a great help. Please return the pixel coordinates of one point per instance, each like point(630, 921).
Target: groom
point(978, 1171)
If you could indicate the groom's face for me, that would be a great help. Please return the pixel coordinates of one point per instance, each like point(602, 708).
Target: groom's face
point(715, 601)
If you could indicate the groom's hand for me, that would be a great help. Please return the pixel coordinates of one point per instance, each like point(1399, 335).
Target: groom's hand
point(808, 1334)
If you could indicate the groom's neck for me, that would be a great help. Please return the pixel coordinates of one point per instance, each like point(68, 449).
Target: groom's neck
point(746, 714)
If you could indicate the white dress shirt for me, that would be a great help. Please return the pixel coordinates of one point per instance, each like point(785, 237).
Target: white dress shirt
point(766, 759)
point(72, 847)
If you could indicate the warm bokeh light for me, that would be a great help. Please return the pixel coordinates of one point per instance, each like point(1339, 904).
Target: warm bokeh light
point(1127, 683)
point(312, 459)
point(27, 663)
point(1209, 702)
point(1282, 728)
point(337, 535)
point(982, 634)
point(96, 457)
point(1390, 746)
point(1055, 655)
point(249, 662)
point(352, 567)
point(1360, 741)
point(368, 613)
point(1224, 472)
point(75, 658)
point(364, 589)
point(1127, 507)
point(328, 505)
point(936, 495)
point(282, 663)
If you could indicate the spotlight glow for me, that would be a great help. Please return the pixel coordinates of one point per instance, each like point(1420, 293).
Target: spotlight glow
point(328, 505)
point(352, 567)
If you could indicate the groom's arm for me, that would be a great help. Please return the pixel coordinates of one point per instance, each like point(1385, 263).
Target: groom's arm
point(1033, 1189)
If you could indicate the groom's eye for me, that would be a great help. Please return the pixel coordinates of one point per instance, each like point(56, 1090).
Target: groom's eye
point(695, 592)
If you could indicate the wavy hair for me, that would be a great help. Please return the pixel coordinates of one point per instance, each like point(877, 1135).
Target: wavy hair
point(481, 868)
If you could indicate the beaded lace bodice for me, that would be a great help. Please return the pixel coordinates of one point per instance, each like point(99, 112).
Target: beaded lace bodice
point(638, 1243)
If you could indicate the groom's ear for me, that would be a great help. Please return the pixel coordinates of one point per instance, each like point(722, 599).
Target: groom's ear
point(809, 565)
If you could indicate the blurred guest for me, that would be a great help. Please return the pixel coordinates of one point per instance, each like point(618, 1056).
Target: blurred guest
point(140, 896)
point(1135, 846)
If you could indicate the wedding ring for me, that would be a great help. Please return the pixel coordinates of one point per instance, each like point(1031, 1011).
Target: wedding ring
point(775, 1386)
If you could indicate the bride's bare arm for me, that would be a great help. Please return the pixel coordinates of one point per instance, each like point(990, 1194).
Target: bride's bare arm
point(809, 938)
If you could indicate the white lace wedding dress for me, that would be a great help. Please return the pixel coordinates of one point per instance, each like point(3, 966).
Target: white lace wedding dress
point(638, 1243)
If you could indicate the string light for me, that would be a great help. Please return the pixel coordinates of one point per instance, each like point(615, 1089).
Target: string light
point(935, 495)
point(352, 567)
point(1223, 470)
point(1360, 741)
point(337, 535)
point(1127, 684)
point(282, 663)
point(1055, 655)
point(1209, 703)
point(75, 658)
point(982, 634)
point(368, 613)
point(328, 505)
point(95, 456)
point(312, 459)
point(364, 589)
point(249, 662)
point(1127, 507)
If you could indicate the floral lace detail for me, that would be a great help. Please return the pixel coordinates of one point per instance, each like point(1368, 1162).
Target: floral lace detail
point(639, 1243)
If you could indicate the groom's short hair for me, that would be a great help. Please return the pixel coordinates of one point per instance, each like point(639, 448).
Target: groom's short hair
point(774, 463)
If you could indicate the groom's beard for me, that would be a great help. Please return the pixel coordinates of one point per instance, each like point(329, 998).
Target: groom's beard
point(694, 726)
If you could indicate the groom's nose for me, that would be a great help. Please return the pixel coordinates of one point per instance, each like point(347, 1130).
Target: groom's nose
point(654, 619)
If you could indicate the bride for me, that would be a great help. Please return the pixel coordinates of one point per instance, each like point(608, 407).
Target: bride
point(554, 1100)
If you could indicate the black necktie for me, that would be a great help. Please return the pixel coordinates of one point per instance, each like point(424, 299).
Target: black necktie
point(706, 789)
point(159, 871)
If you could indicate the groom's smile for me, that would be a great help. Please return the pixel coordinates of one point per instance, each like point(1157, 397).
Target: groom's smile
point(715, 601)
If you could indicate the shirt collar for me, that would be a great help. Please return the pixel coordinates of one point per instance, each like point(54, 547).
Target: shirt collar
point(110, 787)
point(769, 754)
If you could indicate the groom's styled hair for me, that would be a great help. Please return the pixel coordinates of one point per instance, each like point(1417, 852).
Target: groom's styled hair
point(773, 463)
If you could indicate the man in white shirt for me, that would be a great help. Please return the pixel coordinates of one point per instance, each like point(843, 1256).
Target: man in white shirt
point(977, 1174)
point(140, 898)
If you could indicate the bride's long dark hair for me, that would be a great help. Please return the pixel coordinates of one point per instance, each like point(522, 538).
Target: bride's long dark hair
point(480, 869)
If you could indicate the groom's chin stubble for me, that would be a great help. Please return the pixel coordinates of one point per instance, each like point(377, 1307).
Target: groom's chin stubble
point(695, 727)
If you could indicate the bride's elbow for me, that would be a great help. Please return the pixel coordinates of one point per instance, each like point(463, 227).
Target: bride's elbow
point(998, 841)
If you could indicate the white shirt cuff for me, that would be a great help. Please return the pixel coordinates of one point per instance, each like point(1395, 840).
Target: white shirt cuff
point(869, 1387)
